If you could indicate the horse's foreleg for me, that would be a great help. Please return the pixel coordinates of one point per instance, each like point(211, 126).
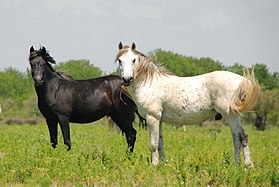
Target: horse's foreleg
point(52, 127)
point(65, 128)
point(161, 142)
point(154, 126)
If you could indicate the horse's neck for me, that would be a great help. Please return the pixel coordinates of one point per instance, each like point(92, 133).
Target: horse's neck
point(50, 76)
point(40, 90)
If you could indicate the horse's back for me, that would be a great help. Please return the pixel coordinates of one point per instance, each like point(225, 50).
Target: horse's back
point(110, 81)
point(227, 77)
point(97, 98)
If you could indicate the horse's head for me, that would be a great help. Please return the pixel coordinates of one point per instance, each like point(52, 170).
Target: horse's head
point(127, 59)
point(39, 60)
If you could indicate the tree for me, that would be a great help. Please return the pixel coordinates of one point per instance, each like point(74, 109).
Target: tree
point(236, 68)
point(267, 108)
point(266, 79)
point(185, 66)
point(274, 80)
point(79, 69)
point(15, 84)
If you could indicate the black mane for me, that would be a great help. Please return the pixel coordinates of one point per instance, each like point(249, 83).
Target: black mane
point(44, 54)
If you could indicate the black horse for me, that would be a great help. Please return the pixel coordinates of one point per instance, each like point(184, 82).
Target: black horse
point(61, 99)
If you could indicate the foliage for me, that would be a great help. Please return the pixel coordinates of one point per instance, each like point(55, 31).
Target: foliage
point(201, 156)
point(236, 68)
point(268, 106)
point(14, 84)
point(79, 69)
point(185, 66)
point(266, 79)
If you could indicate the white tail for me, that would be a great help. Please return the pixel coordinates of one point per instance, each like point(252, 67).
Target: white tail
point(246, 96)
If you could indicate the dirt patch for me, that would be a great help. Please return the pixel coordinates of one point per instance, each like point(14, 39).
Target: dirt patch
point(2, 155)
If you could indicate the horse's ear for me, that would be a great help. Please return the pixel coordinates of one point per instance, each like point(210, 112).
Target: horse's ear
point(120, 45)
point(133, 46)
point(32, 49)
point(43, 50)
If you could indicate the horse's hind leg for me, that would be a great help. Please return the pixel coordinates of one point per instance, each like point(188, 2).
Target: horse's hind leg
point(52, 127)
point(161, 142)
point(240, 139)
point(246, 151)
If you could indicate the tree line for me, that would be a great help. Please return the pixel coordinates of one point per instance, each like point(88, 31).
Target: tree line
point(18, 97)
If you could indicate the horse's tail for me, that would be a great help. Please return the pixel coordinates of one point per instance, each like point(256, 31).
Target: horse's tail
point(246, 96)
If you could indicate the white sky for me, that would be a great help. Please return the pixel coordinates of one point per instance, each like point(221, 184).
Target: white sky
point(242, 31)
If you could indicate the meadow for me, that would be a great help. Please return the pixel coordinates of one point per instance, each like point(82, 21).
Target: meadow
point(201, 156)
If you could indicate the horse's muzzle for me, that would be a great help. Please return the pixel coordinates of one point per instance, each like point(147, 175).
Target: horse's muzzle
point(127, 80)
point(38, 81)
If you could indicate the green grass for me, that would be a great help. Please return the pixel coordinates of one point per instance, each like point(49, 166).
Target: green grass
point(200, 156)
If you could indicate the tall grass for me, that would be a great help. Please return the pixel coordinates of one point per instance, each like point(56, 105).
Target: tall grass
point(200, 156)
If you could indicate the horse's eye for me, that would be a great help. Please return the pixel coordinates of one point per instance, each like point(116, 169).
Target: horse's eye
point(134, 60)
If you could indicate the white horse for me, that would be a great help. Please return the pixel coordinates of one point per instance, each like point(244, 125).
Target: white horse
point(163, 97)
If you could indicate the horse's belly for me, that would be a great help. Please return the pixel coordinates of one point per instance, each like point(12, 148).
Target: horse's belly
point(187, 118)
point(85, 117)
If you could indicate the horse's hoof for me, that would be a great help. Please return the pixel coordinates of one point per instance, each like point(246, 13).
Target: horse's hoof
point(69, 148)
point(249, 164)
